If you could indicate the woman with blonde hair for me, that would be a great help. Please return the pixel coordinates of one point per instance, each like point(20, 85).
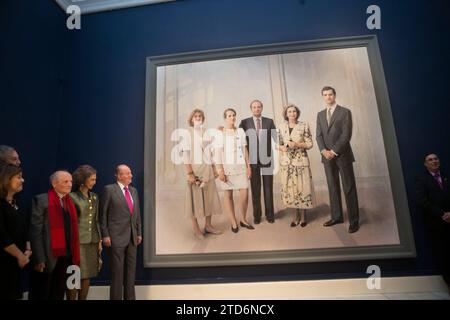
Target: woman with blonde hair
point(296, 179)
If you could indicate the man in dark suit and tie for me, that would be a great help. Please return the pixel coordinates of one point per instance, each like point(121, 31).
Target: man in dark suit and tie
point(333, 133)
point(120, 224)
point(260, 131)
point(54, 239)
point(433, 196)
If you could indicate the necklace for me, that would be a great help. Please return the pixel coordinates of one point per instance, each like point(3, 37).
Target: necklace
point(13, 204)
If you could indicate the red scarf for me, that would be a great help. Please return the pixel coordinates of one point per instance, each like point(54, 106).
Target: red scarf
point(57, 233)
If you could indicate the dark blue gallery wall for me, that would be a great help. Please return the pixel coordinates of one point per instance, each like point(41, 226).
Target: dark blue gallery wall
point(105, 92)
point(31, 64)
point(101, 70)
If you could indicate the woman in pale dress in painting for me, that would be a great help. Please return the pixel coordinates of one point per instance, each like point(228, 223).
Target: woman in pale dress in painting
point(234, 169)
point(202, 199)
point(294, 140)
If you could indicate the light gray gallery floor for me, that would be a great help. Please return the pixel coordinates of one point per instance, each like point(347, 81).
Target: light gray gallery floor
point(102, 293)
point(377, 219)
point(391, 288)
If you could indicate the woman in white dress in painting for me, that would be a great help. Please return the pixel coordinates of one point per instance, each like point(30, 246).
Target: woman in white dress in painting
point(234, 169)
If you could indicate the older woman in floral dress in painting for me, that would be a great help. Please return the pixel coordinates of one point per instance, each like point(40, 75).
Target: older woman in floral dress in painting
point(297, 188)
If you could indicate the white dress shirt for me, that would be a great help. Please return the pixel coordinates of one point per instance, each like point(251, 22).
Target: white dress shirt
point(122, 187)
point(60, 199)
point(332, 108)
point(254, 121)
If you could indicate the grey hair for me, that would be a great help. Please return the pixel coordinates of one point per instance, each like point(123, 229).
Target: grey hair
point(4, 152)
point(55, 175)
point(117, 169)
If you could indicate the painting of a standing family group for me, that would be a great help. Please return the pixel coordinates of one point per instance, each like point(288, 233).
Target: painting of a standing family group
point(272, 155)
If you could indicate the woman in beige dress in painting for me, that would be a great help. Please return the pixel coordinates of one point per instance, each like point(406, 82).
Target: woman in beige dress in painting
point(202, 199)
point(294, 140)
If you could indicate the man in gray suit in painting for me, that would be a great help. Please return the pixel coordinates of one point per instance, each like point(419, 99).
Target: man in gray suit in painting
point(120, 224)
point(333, 133)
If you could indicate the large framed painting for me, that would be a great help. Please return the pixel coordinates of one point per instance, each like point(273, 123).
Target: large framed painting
point(276, 75)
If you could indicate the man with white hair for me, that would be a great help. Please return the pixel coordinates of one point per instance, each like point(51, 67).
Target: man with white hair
point(120, 225)
point(54, 237)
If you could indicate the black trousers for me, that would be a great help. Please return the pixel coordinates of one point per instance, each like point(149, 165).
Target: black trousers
point(332, 171)
point(255, 183)
point(439, 235)
point(50, 286)
point(9, 280)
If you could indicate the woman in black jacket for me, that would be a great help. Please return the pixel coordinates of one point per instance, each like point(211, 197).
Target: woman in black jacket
point(15, 249)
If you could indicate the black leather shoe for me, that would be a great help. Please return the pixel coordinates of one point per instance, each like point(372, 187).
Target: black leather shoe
point(332, 223)
point(271, 220)
point(235, 230)
point(294, 224)
point(250, 227)
point(257, 220)
point(353, 228)
point(303, 224)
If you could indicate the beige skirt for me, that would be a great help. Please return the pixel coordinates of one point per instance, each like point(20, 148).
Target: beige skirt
point(234, 182)
point(202, 202)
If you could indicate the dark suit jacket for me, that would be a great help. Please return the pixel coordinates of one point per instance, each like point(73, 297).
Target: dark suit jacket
point(434, 200)
point(40, 233)
point(265, 139)
point(116, 220)
point(337, 136)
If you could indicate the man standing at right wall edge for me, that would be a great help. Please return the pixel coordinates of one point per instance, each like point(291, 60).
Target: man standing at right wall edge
point(433, 197)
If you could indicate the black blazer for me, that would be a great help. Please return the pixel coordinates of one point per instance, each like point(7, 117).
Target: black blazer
point(434, 200)
point(337, 135)
point(13, 230)
point(269, 126)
